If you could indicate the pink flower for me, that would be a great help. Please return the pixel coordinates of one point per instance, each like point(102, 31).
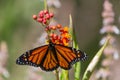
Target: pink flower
point(103, 73)
point(108, 14)
point(110, 29)
point(109, 50)
point(4, 72)
point(55, 3)
point(111, 41)
point(107, 62)
point(116, 55)
point(108, 20)
point(116, 30)
point(107, 5)
point(3, 54)
point(3, 59)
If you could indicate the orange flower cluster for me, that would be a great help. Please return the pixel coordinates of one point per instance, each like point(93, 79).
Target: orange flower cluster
point(63, 37)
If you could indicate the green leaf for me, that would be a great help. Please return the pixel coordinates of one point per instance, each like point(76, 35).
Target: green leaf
point(77, 66)
point(94, 62)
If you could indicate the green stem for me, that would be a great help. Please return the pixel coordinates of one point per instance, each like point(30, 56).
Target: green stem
point(64, 75)
point(57, 74)
point(45, 5)
point(77, 71)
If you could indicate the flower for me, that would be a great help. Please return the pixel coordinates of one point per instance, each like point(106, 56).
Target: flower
point(103, 73)
point(55, 3)
point(116, 55)
point(111, 41)
point(106, 62)
point(110, 29)
point(106, 14)
point(60, 35)
point(3, 59)
point(107, 5)
point(4, 72)
point(108, 20)
point(110, 52)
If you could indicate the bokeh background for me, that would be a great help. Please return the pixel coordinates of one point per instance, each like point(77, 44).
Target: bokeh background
point(21, 32)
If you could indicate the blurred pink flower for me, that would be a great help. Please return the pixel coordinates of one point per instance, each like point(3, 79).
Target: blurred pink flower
point(4, 72)
point(106, 62)
point(110, 29)
point(3, 59)
point(116, 55)
point(108, 14)
point(103, 73)
point(3, 54)
point(111, 41)
point(107, 5)
point(109, 50)
point(108, 20)
point(116, 30)
point(55, 3)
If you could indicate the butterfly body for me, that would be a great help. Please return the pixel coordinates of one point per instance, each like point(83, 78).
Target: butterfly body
point(50, 57)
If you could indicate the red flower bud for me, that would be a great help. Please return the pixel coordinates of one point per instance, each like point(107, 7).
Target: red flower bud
point(44, 21)
point(34, 17)
point(53, 27)
point(41, 13)
point(45, 11)
point(40, 20)
point(47, 16)
point(59, 26)
point(51, 15)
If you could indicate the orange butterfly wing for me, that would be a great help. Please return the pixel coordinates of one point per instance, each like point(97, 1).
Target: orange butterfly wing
point(50, 61)
point(39, 57)
point(32, 57)
point(68, 56)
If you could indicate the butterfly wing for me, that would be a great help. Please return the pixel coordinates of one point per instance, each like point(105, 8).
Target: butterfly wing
point(81, 55)
point(50, 61)
point(32, 57)
point(68, 56)
point(39, 57)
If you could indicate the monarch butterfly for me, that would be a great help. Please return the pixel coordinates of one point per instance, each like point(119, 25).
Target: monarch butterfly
point(50, 57)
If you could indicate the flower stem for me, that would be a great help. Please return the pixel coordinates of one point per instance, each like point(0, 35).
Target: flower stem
point(45, 5)
point(64, 75)
point(57, 74)
point(77, 71)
